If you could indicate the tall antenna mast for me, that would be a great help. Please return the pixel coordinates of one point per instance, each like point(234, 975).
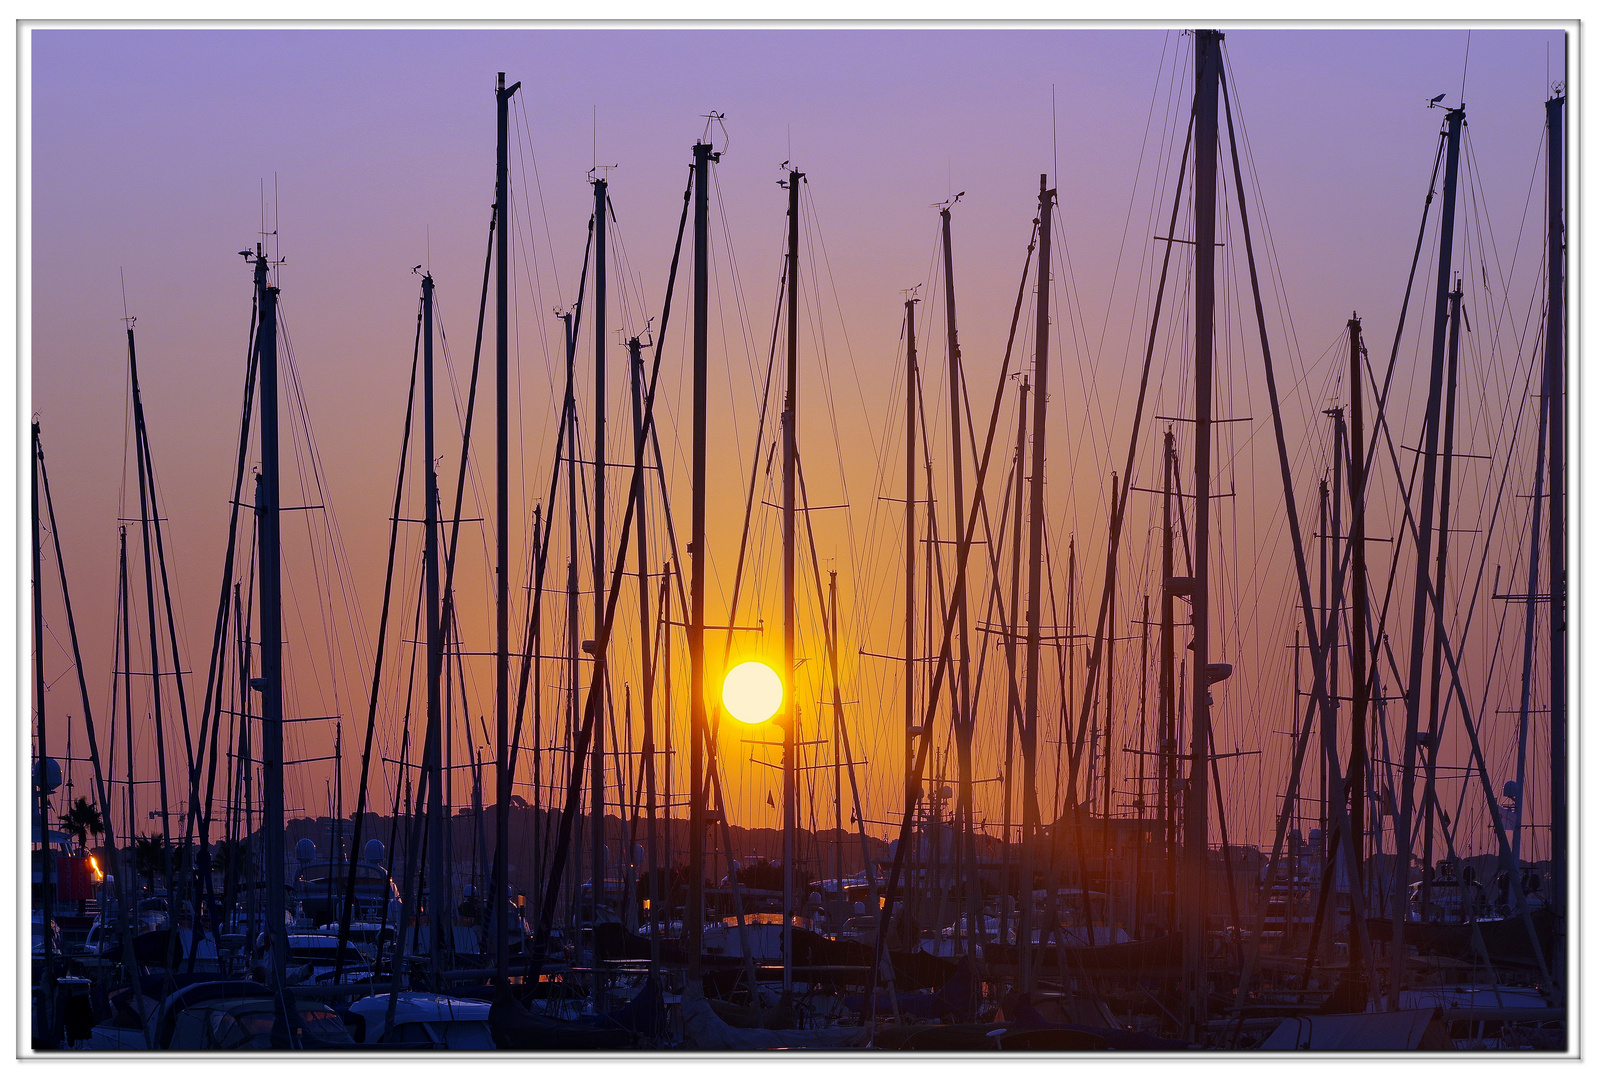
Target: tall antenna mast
point(270, 580)
point(1208, 79)
point(1030, 717)
point(790, 715)
point(694, 916)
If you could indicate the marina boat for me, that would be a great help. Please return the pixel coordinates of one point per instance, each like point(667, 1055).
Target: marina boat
point(243, 1016)
point(424, 1021)
point(320, 887)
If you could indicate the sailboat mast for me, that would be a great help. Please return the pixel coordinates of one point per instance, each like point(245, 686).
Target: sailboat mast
point(1111, 667)
point(1013, 716)
point(1430, 769)
point(145, 498)
point(433, 748)
point(1168, 694)
point(1208, 78)
point(693, 920)
point(1139, 798)
point(1555, 382)
point(1325, 717)
point(911, 552)
point(597, 759)
point(1359, 690)
point(573, 644)
point(1535, 552)
point(44, 1009)
point(536, 647)
point(838, 730)
point(646, 648)
point(502, 630)
point(790, 715)
point(127, 715)
point(665, 629)
point(970, 890)
point(1336, 795)
point(1070, 674)
point(1030, 717)
point(1401, 885)
point(270, 581)
point(664, 603)
point(101, 789)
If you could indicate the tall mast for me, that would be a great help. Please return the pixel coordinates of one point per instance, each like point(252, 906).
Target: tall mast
point(911, 552)
point(964, 721)
point(502, 707)
point(1139, 798)
point(1111, 665)
point(145, 498)
point(246, 760)
point(1030, 716)
point(1419, 620)
point(432, 754)
point(1555, 381)
point(127, 712)
point(1436, 665)
point(597, 759)
point(1325, 715)
point(1336, 795)
point(838, 729)
point(646, 649)
point(1013, 715)
point(665, 605)
point(1336, 601)
point(1530, 619)
point(1359, 690)
point(573, 643)
point(44, 1010)
point(789, 714)
point(692, 918)
point(536, 647)
point(1168, 695)
point(1070, 673)
point(1208, 78)
point(270, 579)
point(101, 789)
point(1556, 392)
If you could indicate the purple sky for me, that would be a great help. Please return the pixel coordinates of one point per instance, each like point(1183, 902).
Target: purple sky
point(151, 148)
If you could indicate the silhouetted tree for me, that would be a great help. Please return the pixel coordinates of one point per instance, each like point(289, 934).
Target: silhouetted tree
point(82, 821)
point(150, 857)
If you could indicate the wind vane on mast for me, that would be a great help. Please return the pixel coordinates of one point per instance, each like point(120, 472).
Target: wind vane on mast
point(714, 117)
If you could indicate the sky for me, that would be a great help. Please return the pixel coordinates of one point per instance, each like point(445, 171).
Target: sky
point(156, 155)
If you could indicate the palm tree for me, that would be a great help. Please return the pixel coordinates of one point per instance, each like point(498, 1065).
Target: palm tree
point(82, 821)
point(231, 855)
point(182, 856)
point(150, 857)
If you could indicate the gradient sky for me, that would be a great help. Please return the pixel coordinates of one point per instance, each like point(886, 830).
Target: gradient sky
point(156, 154)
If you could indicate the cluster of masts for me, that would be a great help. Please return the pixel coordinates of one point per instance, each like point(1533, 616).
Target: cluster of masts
point(1184, 775)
